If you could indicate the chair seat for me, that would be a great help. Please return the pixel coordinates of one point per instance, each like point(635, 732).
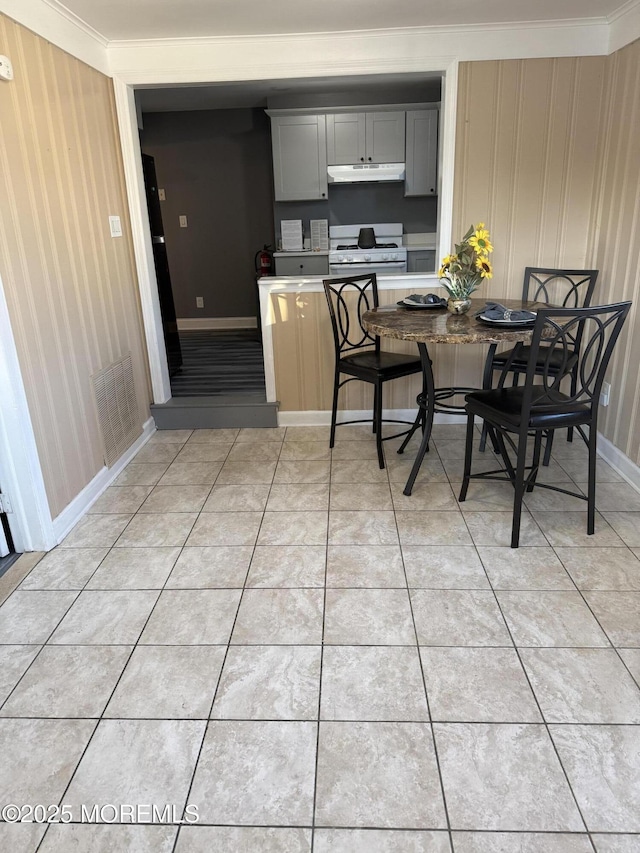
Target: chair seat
point(519, 363)
point(384, 365)
point(504, 406)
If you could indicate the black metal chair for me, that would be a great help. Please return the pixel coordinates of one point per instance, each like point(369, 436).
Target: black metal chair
point(563, 288)
point(539, 407)
point(358, 354)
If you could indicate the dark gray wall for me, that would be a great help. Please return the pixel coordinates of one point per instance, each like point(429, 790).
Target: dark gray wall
point(215, 167)
point(355, 204)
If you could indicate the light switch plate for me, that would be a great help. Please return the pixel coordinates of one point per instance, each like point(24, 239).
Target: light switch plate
point(183, 221)
point(161, 194)
point(115, 226)
point(6, 69)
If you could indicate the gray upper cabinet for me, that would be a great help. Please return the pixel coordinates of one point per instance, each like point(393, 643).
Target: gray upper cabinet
point(370, 137)
point(299, 157)
point(422, 152)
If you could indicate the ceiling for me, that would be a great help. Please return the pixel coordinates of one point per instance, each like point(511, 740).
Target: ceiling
point(161, 19)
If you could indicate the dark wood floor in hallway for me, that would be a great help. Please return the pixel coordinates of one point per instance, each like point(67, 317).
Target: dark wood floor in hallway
point(220, 363)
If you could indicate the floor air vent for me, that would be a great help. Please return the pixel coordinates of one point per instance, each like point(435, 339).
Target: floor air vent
point(117, 408)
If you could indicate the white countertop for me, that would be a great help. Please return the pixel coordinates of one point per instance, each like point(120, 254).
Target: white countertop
point(312, 283)
point(300, 252)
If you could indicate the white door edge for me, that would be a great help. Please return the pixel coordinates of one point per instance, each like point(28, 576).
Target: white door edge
point(20, 470)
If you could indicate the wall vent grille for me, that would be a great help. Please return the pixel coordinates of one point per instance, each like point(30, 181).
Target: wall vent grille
point(117, 408)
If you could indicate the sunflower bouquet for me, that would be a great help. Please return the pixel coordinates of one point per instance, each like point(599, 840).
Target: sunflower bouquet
point(464, 271)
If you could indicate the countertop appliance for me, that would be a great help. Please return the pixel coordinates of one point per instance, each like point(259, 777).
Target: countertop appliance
point(387, 255)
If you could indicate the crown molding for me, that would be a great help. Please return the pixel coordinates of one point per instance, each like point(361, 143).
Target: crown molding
point(52, 21)
point(624, 26)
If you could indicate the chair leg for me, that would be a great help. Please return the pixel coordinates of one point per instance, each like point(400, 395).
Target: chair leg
point(574, 386)
point(487, 377)
point(547, 450)
point(468, 452)
point(376, 392)
point(535, 462)
point(377, 422)
point(591, 487)
point(519, 489)
point(334, 408)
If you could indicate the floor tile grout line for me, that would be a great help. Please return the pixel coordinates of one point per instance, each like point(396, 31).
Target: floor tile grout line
point(546, 724)
point(224, 660)
point(426, 694)
point(322, 645)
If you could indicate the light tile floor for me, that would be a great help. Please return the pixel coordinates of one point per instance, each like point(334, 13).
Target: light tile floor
point(275, 635)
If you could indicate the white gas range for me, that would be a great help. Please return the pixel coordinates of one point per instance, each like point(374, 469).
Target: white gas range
point(346, 257)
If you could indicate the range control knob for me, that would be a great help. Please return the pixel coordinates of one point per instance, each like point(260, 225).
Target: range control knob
point(349, 258)
point(340, 258)
point(394, 256)
point(385, 257)
point(367, 257)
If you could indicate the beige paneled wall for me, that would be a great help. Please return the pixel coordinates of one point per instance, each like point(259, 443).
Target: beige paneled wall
point(304, 361)
point(70, 287)
point(527, 154)
point(615, 236)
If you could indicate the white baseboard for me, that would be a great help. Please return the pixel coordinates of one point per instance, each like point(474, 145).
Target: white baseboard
point(323, 418)
point(619, 462)
point(193, 324)
point(74, 511)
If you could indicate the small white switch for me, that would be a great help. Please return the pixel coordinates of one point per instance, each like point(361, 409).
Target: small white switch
point(6, 69)
point(183, 221)
point(161, 194)
point(199, 301)
point(115, 226)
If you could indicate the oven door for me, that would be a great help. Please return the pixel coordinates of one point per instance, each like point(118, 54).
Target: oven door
point(366, 267)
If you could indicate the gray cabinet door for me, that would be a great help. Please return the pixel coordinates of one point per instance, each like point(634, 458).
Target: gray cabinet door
point(302, 265)
point(345, 139)
point(423, 260)
point(385, 137)
point(299, 157)
point(422, 153)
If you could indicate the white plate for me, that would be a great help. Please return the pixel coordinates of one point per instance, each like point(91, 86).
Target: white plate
point(406, 303)
point(507, 322)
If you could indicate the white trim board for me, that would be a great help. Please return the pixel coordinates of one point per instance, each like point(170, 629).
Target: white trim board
point(626, 467)
point(20, 470)
point(197, 323)
point(323, 417)
point(83, 501)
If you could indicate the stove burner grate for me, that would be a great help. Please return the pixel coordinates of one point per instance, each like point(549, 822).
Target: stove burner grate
point(377, 246)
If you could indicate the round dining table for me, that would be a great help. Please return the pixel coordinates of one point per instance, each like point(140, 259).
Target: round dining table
point(426, 326)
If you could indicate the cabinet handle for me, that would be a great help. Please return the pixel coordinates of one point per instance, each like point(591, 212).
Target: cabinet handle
point(369, 159)
point(362, 159)
point(323, 195)
point(301, 266)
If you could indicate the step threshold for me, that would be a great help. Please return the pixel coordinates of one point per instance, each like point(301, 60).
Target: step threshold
point(215, 412)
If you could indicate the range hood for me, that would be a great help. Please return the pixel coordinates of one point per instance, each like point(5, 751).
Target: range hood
point(365, 172)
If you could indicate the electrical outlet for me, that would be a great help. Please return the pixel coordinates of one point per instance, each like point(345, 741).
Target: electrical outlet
point(605, 393)
point(199, 301)
point(115, 226)
point(161, 195)
point(183, 221)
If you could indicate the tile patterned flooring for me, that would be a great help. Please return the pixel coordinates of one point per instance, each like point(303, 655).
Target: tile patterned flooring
point(272, 632)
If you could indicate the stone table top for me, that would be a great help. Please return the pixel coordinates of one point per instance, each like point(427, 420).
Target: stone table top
point(439, 326)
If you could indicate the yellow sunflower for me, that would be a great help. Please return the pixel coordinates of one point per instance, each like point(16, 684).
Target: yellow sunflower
point(446, 264)
point(479, 241)
point(486, 270)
